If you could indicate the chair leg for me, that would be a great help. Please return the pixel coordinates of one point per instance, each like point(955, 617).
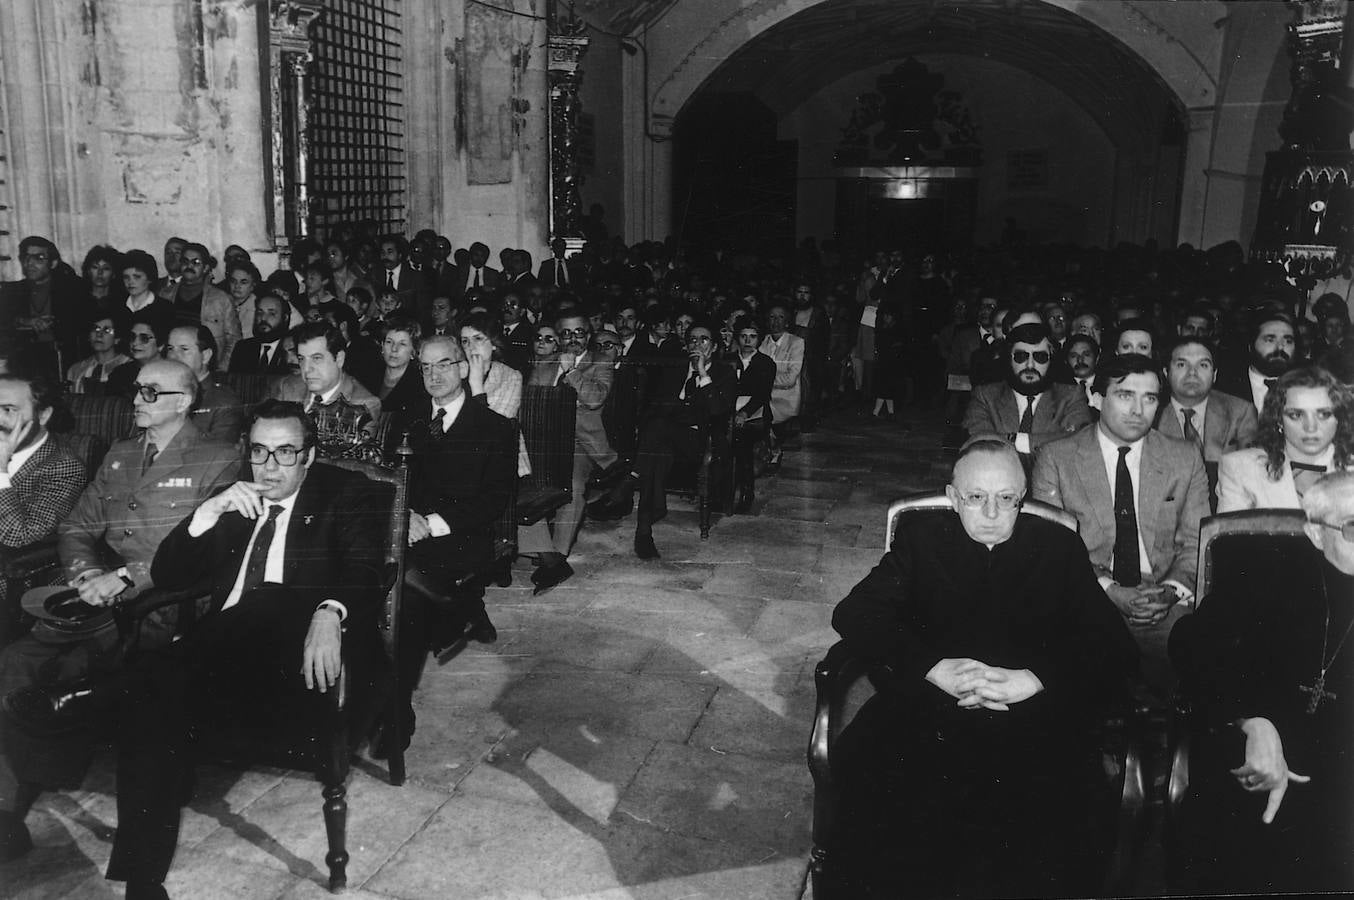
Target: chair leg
point(705, 516)
point(396, 763)
point(336, 827)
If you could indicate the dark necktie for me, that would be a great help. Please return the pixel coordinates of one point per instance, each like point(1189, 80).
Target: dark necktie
point(438, 418)
point(258, 554)
point(689, 389)
point(149, 456)
point(1270, 382)
point(477, 278)
point(390, 279)
point(1305, 475)
point(263, 357)
point(1127, 566)
point(561, 274)
point(316, 401)
point(1191, 434)
point(1027, 420)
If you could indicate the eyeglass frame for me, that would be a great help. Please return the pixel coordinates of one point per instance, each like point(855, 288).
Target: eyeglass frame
point(1020, 356)
point(441, 367)
point(1346, 529)
point(155, 393)
point(978, 500)
point(547, 338)
point(106, 329)
point(274, 454)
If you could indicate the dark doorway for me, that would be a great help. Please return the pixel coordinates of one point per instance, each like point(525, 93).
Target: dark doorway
point(904, 223)
point(733, 181)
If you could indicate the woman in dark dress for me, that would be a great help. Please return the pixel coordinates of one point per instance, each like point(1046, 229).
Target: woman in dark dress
point(402, 384)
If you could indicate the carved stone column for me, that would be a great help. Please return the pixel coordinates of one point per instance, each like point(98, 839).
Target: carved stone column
point(287, 146)
point(567, 47)
point(1305, 218)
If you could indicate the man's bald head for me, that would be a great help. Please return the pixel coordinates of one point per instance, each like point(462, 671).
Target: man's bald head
point(168, 375)
point(984, 453)
point(1329, 505)
point(175, 389)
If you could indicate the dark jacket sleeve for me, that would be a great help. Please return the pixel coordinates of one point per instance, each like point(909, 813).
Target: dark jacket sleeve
point(872, 618)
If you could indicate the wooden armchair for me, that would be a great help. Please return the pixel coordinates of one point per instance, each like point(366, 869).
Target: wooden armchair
point(711, 482)
point(844, 681)
point(346, 723)
point(1234, 548)
point(548, 419)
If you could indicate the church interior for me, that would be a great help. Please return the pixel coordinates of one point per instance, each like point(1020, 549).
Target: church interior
point(650, 728)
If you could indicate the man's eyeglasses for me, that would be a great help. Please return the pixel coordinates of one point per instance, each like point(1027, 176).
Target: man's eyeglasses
point(150, 393)
point(605, 345)
point(574, 332)
point(1006, 500)
point(36, 257)
point(102, 329)
point(546, 339)
point(1040, 356)
point(285, 455)
point(441, 367)
point(1346, 529)
point(700, 339)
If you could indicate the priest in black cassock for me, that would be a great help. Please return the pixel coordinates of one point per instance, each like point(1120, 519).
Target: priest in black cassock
point(1268, 664)
point(976, 771)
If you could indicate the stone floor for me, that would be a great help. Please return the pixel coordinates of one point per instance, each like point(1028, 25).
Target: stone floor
point(637, 732)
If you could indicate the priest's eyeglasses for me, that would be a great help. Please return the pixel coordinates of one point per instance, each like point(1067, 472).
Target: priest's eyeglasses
point(286, 455)
point(150, 393)
point(1006, 500)
point(1346, 529)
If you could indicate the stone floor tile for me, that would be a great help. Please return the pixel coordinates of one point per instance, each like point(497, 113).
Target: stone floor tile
point(201, 876)
point(848, 560)
point(804, 509)
point(689, 610)
point(637, 705)
point(448, 742)
point(765, 724)
point(751, 581)
point(726, 797)
point(585, 642)
point(826, 587)
point(284, 828)
point(778, 879)
point(838, 488)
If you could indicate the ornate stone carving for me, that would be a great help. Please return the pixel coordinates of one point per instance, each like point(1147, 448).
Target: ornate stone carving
point(910, 120)
point(567, 47)
point(289, 57)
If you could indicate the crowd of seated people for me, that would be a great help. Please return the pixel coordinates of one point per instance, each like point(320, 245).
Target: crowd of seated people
point(1138, 389)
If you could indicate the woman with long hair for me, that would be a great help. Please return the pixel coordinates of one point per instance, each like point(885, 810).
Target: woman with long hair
point(1306, 430)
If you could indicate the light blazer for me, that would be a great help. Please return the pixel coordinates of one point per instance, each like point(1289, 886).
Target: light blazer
point(1229, 425)
point(293, 387)
point(992, 409)
point(132, 513)
point(1172, 498)
point(591, 380)
point(218, 314)
point(1244, 483)
point(788, 356)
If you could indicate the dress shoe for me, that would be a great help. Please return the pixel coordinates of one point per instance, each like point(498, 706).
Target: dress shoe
point(481, 630)
point(146, 890)
point(501, 573)
point(54, 709)
point(608, 477)
point(15, 841)
point(606, 509)
point(547, 577)
point(644, 547)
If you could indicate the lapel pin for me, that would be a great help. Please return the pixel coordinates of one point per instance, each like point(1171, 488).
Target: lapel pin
point(307, 519)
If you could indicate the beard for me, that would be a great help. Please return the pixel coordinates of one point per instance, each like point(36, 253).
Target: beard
point(1029, 388)
point(1271, 365)
point(266, 334)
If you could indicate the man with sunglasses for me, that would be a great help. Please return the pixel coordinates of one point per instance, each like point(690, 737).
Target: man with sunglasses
point(1270, 669)
point(143, 487)
point(1029, 408)
point(975, 770)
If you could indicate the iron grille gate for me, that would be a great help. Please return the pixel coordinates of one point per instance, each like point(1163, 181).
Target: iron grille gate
point(356, 117)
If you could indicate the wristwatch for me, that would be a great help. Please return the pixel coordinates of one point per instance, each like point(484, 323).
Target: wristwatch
point(126, 578)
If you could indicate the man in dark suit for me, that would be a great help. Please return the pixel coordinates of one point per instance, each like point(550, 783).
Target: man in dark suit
point(517, 274)
point(293, 560)
point(1271, 351)
point(39, 479)
point(106, 546)
point(517, 331)
point(397, 273)
point(558, 273)
point(685, 406)
point(461, 476)
point(1028, 407)
point(756, 374)
point(1138, 496)
point(976, 769)
point(1213, 420)
point(477, 276)
point(264, 353)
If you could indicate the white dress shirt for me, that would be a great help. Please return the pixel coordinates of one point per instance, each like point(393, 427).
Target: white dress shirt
point(277, 550)
point(436, 524)
point(326, 398)
point(1109, 452)
point(1022, 438)
point(1200, 413)
point(1259, 390)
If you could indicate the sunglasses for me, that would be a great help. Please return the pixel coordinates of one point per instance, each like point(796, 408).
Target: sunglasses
point(150, 393)
point(1040, 356)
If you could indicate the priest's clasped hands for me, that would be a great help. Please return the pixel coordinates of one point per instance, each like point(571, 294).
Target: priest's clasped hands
point(980, 686)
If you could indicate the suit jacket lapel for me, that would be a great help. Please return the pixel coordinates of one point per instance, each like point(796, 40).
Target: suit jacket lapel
point(1043, 411)
point(1009, 411)
point(1094, 480)
point(302, 531)
point(37, 459)
point(1154, 475)
point(167, 459)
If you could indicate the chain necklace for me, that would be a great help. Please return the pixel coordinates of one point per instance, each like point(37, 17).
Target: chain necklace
point(1316, 691)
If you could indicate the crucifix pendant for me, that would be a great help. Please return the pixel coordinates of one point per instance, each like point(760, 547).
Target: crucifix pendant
point(1317, 692)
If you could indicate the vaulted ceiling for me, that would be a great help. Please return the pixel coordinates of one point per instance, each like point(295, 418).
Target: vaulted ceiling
point(791, 61)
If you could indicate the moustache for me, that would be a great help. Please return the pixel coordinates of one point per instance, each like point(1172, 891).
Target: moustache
point(1277, 354)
